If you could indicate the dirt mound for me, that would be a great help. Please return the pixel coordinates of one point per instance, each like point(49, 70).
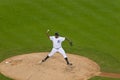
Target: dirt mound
point(26, 67)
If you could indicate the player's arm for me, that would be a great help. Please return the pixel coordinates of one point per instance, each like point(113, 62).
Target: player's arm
point(70, 42)
point(47, 33)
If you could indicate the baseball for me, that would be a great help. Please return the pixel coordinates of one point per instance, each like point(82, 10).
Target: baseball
point(48, 30)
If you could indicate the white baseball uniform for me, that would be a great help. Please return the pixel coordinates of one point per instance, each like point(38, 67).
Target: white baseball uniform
point(57, 47)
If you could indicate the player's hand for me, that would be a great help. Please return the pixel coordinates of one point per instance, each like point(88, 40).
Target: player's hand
point(71, 44)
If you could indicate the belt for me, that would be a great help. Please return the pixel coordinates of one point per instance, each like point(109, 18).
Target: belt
point(58, 48)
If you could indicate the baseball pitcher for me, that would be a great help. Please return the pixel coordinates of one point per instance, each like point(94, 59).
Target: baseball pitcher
point(57, 47)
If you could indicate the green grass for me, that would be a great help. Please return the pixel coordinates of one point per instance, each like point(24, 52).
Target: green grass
point(99, 78)
point(92, 25)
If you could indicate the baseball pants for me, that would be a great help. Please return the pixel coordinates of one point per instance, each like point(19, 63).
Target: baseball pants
point(60, 50)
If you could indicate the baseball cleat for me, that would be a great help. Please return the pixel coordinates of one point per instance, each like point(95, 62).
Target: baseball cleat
point(41, 61)
point(69, 64)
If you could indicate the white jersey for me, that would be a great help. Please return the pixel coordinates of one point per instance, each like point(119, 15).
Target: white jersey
point(57, 41)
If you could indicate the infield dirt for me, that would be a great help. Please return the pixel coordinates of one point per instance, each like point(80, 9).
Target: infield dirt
point(26, 67)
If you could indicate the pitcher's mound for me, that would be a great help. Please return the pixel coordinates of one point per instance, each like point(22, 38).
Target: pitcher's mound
point(26, 67)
